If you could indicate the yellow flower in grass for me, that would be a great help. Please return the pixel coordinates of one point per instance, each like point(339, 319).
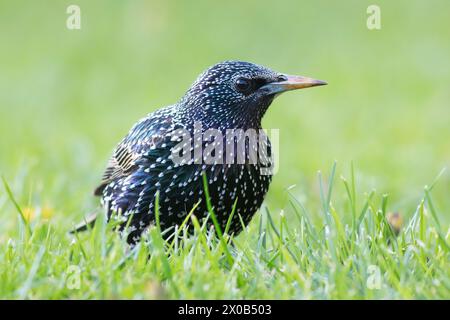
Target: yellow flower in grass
point(31, 213)
point(153, 290)
point(395, 220)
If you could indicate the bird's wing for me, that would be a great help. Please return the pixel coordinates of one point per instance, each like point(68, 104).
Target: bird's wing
point(145, 135)
point(142, 137)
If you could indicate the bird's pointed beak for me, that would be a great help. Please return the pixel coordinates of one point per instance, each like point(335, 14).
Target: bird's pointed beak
point(292, 83)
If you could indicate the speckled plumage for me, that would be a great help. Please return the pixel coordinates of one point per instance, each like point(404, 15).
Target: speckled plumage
point(142, 165)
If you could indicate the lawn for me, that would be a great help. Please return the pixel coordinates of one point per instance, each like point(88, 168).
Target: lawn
point(358, 209)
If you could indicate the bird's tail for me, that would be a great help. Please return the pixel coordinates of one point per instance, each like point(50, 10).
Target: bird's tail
point(88, 223)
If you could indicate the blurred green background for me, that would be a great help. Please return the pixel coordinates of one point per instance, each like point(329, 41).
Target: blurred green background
point(68, 96)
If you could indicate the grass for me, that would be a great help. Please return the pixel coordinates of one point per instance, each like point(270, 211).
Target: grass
point(276, 258)
point(69, 96)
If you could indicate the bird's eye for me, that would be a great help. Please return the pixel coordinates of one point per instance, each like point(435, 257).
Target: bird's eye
point(243, 85)
point(282, 77)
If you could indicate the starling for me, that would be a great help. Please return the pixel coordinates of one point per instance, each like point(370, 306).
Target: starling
point(231, 95)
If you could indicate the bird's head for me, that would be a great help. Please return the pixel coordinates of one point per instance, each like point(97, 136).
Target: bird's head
point(236, 94)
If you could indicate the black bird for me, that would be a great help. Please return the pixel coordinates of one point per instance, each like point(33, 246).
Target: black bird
point(228, 95)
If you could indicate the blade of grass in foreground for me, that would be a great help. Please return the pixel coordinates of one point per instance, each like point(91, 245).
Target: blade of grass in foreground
point(23, 291)
point(215, 222)
point(159, 245)
point(182, 226)
point(16, 205)
point(230, 218)
point(351, 193)
point(326, 201)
